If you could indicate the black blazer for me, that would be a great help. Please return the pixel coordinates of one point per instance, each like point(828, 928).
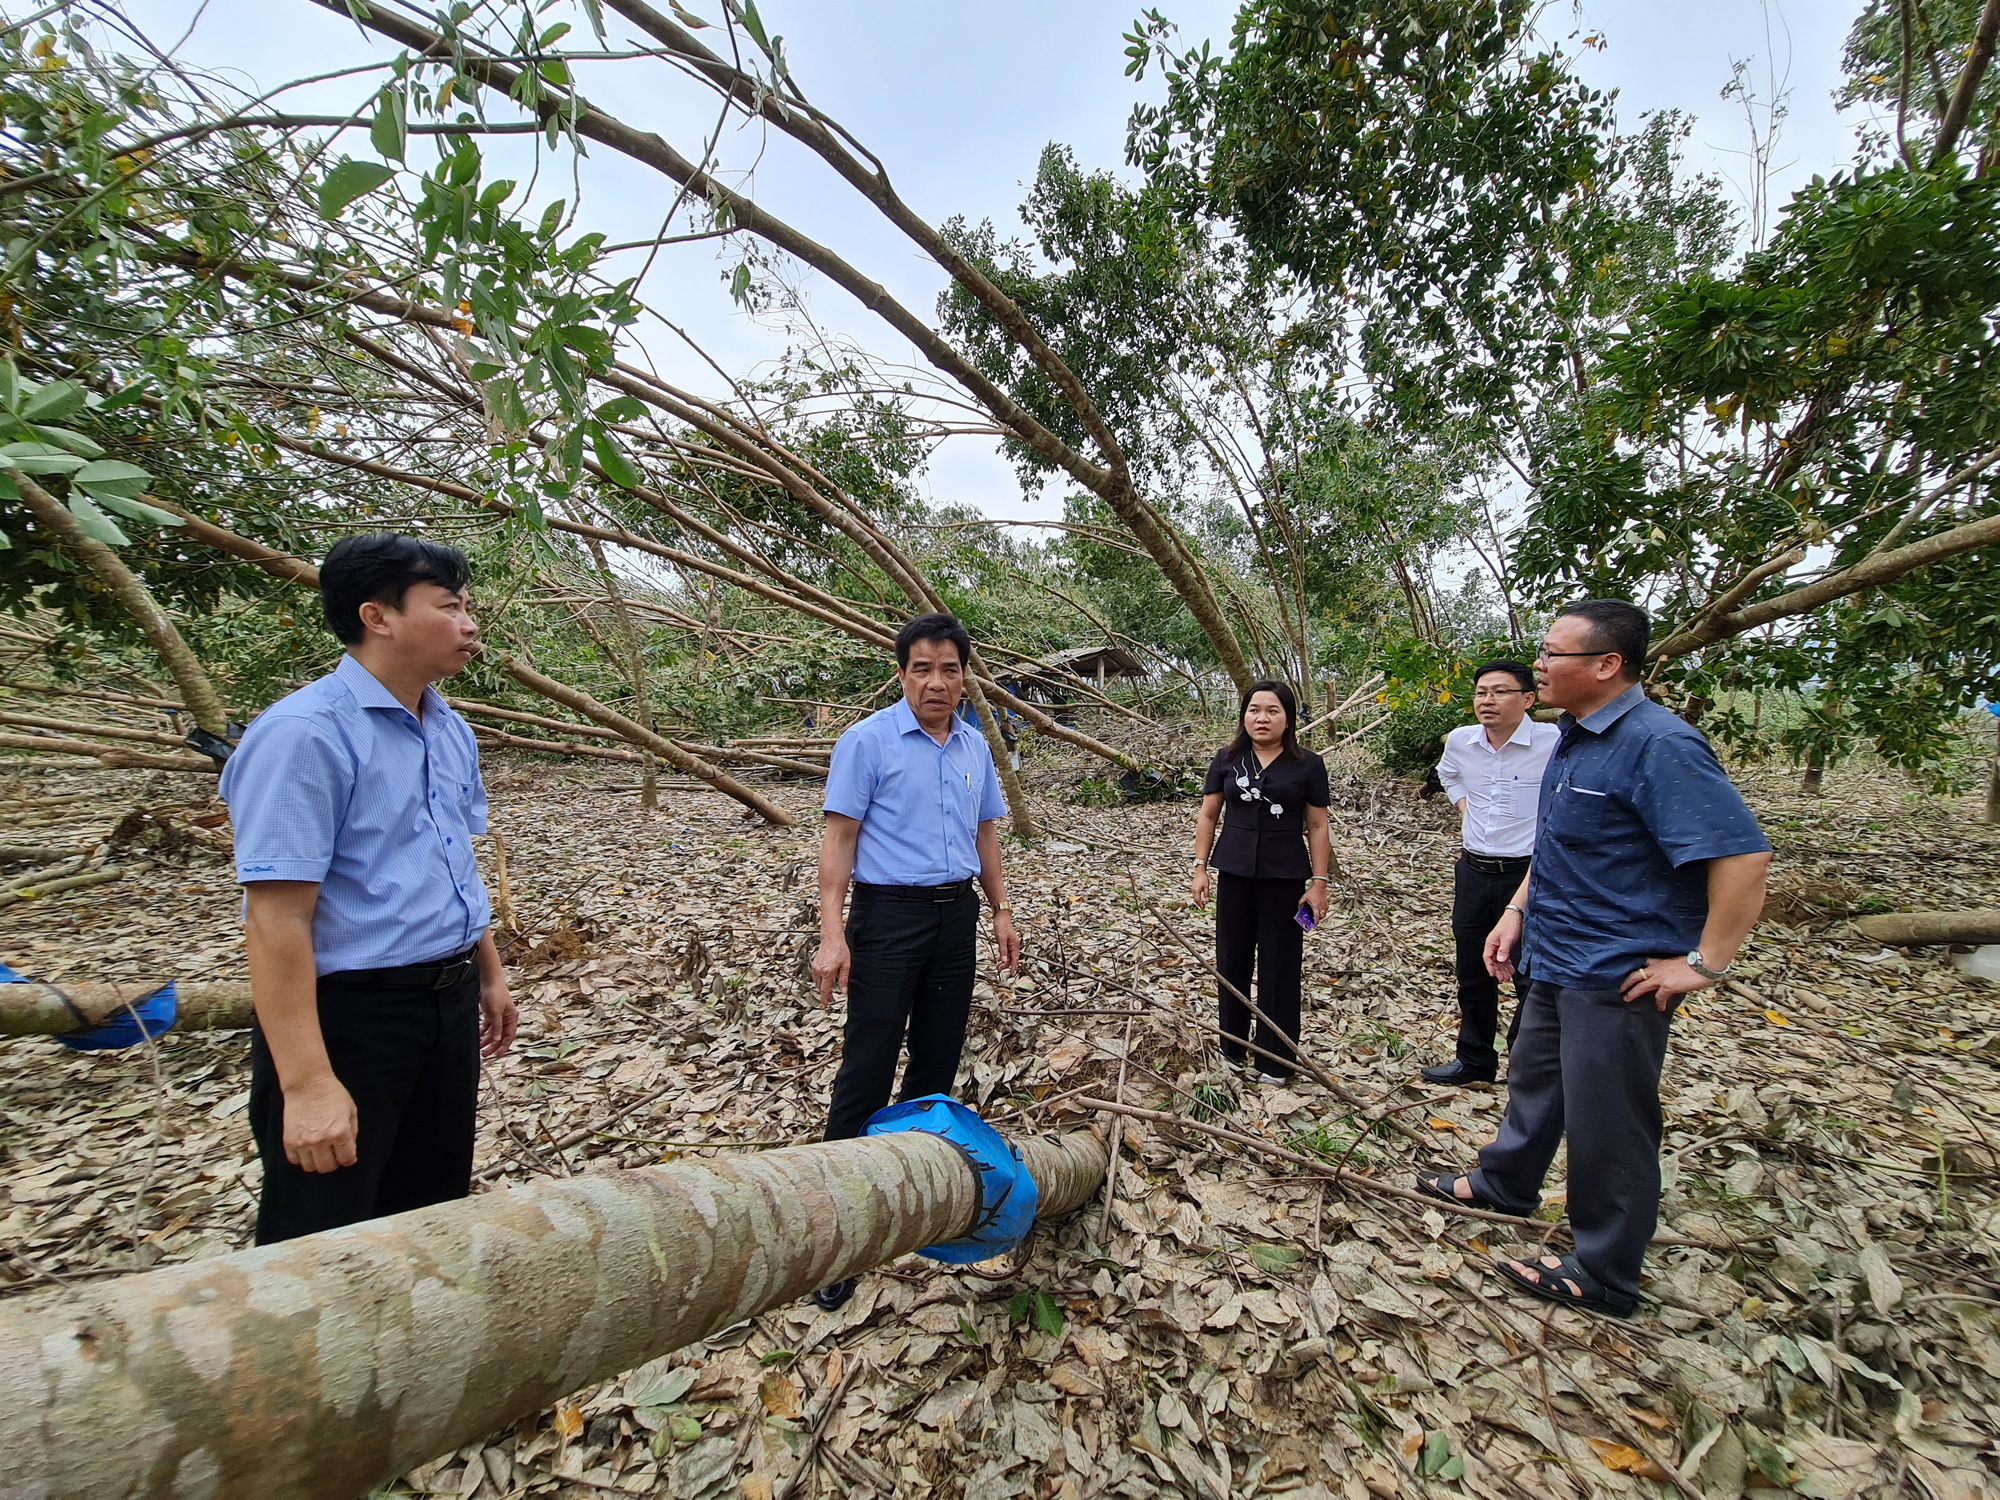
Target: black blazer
point(1264, 813)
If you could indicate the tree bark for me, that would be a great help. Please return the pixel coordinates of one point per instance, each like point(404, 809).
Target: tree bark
point(109, 755)
point(500, 739)
point(1993, 782)
point(321, 1367)
point(197, 692)
point(1962, 97)
point(1870, 572)
point(37, 1009)
point(1019, 813)
point(1920, 929)
point(667, 750)
point(84, 726)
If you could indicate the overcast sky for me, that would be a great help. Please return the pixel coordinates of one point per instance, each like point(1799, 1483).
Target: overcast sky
point(958, 101)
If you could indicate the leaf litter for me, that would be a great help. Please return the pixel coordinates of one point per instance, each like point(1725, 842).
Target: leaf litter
point(1262, 1316)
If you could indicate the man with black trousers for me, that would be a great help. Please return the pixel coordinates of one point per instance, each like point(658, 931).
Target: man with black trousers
point(1492, 772)
point(376, 983)
point(1648, 875)
point(912, 809)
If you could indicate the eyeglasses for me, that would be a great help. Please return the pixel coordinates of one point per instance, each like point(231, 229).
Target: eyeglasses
point(1488, 695)
point(1544, 654)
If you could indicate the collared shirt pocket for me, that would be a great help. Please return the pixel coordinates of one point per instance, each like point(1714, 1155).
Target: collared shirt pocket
point(1579, 813)
point(1524, 794)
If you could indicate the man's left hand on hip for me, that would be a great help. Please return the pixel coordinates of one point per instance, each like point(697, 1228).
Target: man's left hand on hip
point(1665, 979)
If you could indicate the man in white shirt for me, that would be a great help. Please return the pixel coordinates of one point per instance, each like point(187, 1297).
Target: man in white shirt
point(1492, 771)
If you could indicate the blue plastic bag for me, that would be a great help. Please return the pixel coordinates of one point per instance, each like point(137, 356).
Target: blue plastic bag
point(157, 1013)
point(1008, 1196)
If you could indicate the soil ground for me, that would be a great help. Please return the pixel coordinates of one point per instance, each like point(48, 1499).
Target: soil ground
point(1827, 1320)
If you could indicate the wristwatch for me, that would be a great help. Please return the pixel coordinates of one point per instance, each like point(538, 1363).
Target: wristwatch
point(1695, 963)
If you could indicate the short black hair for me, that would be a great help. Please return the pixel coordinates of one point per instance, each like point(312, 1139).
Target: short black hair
point(1616, 625)
point(1519, 671)
point(381, 566)
point(933, 628)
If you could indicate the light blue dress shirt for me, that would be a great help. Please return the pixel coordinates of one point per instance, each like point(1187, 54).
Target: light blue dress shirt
point(339, 784)
point(920, 803)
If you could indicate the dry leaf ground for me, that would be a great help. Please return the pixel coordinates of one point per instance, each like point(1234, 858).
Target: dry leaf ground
point(1250, 1325)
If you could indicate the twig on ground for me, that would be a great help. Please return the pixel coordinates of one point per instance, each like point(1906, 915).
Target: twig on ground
point(1368, 1184)
point(1117, 1138)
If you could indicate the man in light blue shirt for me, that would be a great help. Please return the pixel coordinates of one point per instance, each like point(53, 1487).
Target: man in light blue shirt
point(912, 809)
point(376, 983)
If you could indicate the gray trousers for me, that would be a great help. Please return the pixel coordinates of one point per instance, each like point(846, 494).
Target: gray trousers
point(1588, 1064)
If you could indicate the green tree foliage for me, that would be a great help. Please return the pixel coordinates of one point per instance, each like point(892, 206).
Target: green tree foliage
point(1423, 163)
point(1796, 440)
point(1821, 400)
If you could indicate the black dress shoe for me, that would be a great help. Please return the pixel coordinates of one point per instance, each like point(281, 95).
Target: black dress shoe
point(831, 1298)
point(1455, 1072)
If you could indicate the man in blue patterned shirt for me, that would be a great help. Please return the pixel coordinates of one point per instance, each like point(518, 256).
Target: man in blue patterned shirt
point(376, 983)
point(1648, 875)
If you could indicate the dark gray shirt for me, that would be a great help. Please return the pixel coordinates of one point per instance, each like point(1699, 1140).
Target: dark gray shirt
point(1634, 804)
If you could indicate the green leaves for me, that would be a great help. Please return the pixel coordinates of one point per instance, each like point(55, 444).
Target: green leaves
point(611, 458)
point(389, 132)
point(95, 523)
point(1276, 1260)
point(348, 181)
point(1437, 1461)
point(1038, 1308)
point(40, 458)
point(53, 402)
point(111, 477)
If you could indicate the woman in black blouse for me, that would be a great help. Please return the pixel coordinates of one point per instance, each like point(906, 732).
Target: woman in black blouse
point(1273, 857)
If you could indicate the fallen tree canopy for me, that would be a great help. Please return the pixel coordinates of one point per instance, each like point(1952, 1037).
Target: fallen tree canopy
point(325, 1365)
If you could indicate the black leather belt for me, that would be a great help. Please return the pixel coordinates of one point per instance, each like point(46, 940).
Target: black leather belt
point(958, 890)
point(441, 975)
point(1494, 864)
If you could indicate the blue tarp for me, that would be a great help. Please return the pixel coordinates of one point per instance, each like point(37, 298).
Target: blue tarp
point(157, 1013)
point(1008, 1196)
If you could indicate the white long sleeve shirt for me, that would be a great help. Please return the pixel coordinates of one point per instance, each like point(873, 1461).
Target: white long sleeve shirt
point(1501, 788)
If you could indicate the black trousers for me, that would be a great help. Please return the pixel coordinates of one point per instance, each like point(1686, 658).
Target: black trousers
point(1254, 923)
point(1478, 897)
point(1586, 1064)
point(410, 1059)
point(912, 963)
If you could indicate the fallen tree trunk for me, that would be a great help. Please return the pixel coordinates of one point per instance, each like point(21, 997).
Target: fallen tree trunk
point(37, 1009)
point(667, 750)
point(1917, 929)
point(110, 755)
point(501, 739)
point(105, 731)
point(324, 1365)
point(197, 692)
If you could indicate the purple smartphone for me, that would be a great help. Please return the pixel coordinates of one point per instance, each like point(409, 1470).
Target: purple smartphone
point(1304, 917)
